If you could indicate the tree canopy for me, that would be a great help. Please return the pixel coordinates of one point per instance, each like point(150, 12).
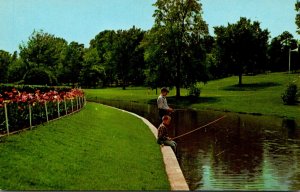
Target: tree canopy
point(180, 30)
point(278, 51)
point(5, 60)
point(71, 63)
point(242, 47)
point(128, 56)
point(297, 20)
point(42, 50)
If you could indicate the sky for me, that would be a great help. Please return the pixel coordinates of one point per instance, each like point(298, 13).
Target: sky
point(82, 20)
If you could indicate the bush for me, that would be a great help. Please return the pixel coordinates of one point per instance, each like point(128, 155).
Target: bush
point(194, 91)
point(39, 76)
point(290, 97)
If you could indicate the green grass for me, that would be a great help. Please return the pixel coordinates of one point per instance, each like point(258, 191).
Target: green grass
point(136, 94)
point(260, 94)
point(99, 148)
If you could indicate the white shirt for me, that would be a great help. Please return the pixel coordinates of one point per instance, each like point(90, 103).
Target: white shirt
point(162, 102)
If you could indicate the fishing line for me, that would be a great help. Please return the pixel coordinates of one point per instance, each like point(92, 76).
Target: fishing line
point(200, 127)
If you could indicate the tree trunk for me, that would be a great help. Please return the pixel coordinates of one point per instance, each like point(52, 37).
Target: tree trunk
point(123, 84)
point(177, 91)
point(240, 79)
point(178, 78)
point(178, 67)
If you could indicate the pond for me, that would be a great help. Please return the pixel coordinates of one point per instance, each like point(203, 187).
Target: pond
point(239, 152)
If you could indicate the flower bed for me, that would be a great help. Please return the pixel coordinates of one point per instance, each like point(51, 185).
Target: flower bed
point(25, 107)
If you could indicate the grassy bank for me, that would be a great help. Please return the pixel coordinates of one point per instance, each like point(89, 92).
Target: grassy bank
point(99, 148)
point(259, 94)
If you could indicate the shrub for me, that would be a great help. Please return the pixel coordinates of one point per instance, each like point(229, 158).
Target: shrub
point(39, 76)
point(289, 97)
point(194, 91)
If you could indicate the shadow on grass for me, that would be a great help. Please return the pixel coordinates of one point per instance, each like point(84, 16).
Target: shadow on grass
point(187, 100)
point(251, 86)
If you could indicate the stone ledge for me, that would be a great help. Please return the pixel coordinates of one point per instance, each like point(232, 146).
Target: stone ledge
point(173, 170)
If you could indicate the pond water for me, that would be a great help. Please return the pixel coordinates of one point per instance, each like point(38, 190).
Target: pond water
point(239, 152)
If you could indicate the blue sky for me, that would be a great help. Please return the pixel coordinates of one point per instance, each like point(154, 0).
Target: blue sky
point(82, 20)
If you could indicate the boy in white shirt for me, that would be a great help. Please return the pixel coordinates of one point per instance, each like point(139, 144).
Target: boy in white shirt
point(163, 108)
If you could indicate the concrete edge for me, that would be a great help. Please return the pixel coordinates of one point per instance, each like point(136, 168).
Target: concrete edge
point(173, 170)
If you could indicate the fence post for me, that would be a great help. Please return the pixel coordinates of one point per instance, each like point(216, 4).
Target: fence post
point(58, 109)
point(6, 117)
point(76, 102)
point(72, 104)
point(79, 100)
point(30, 120)
point(65, 106)
point(46, 111)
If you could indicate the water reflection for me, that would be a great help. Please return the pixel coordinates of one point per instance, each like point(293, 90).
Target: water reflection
point(240, 152)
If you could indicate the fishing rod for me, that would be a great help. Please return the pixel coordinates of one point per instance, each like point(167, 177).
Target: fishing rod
point(200, 127)
point(180, 109)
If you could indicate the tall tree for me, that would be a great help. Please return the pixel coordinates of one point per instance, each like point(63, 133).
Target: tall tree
point(297, 8)
point(16, 70)
point(181, 24)
point(278, 51)
point(92, 72)
point(5, 60)
point(127, 56)
point(71, 63)
point(242, 47)
point(158, 70)
point(104, 42)
point(42, 51)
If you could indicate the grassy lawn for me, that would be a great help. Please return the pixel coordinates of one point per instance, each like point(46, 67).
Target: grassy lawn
point(260, 94)
point(99, 148)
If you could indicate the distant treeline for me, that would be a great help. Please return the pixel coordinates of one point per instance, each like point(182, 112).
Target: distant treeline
point(177, 51)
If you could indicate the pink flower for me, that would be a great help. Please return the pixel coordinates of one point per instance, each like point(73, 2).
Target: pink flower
point(24, 98)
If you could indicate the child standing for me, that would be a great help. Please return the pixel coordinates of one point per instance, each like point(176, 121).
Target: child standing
point(163, 108)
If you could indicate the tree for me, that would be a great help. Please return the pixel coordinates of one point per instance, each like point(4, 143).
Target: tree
point(127, 56)
point(121, 56)
point(5, 60)
point(39, 76)
point(71, 63)
point(158, 69)
point(103, 42)
point(92, 72)
point(180, 24)
point(278, 51)
point(242, 47)
point(16, 69)
point(297, 8)
point(42, 50)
